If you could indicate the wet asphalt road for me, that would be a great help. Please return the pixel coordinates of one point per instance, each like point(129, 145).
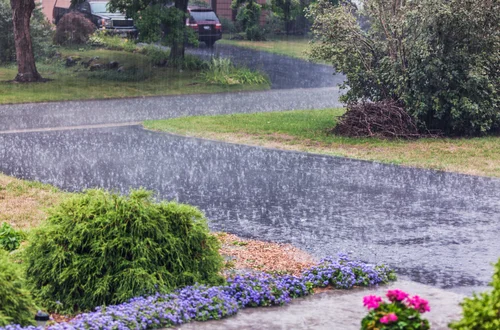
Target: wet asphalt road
point(98, 112)
point(437, 228)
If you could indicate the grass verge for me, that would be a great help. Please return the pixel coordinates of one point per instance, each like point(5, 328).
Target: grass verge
point(308, 131)
point(288, 46)
point(140, 78)
point(23, 203)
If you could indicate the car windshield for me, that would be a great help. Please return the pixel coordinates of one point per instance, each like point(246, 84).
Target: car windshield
point(197, 16)
point(99, 7)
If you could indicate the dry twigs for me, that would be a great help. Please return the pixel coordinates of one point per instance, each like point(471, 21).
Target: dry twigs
point(384, 119)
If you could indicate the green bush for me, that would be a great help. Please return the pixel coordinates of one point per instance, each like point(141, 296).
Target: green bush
point(157, 55)
point(255, 33)
point(10, 239)
point(41, 34)
point(99, 248)
point(158, 23)
point(16, 304)
point(482, 312)
point(438, 57)
point(221, 71)
point(111, 42)
point(228, 26)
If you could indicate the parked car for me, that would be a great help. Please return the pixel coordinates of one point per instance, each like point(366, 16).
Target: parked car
point(206, 24)
point(99, 14)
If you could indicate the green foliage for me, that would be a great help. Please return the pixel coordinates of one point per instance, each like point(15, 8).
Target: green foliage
point(482, 312)
point(255, 33)
point(407, 318)
point(111, 42)
point(287, 10)
point(41, 34)
point(440, 58)
point(228, 26)
point(99, 248)
point(222, 72)
point(10, 239)
point(16, 304)
point(248, 18)
point(158, 23)
point(157, 55)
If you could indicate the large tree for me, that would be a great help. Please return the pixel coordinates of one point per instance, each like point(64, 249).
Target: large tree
point(21, 16)
point(172, 23)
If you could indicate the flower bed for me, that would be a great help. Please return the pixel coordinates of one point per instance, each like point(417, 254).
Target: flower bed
point(401, 312)
point(203, 303)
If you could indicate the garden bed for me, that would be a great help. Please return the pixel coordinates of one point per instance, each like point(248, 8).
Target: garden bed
point(257, 273)
point(136, 75)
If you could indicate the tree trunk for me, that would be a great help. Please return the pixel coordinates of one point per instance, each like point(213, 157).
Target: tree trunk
point(21, 15)
point(178, 48)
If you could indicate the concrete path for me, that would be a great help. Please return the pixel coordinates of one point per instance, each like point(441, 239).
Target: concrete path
point(335, 310)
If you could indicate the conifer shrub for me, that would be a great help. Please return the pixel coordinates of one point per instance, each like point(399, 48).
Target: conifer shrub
point(482, 312)
point(16, 304)
point(100, 248)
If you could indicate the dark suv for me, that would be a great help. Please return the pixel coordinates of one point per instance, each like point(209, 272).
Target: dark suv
point(206, 24)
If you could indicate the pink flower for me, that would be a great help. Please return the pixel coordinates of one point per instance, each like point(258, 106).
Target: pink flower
point(392, 317)
point(372, 302)
point(421, 305)
point(396, 295)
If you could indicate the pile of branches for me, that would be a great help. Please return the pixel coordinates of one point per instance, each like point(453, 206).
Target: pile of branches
point(383, 119)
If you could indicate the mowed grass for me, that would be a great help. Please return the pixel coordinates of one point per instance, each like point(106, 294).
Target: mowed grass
point(77, 83)
point(308, 131)
point(289, 46)
point(23, 204)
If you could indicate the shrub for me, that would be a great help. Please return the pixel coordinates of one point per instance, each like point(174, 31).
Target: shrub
point(228, 26)
point(439, 58)
point(255, 33)
point(482, 312)
point(10, 239)
point(248, 14)
point(41, 34)
point(112, 42)
point(99, 248)
point(402, 312)
point(73, 29)
point(157, 55)
point(16, 304)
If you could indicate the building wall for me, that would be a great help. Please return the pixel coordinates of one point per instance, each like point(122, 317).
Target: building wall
point(223, 8)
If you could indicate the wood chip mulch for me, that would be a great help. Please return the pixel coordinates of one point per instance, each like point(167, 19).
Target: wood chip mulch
point(253, 255)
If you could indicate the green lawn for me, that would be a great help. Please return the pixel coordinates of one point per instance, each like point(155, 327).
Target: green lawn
point(77, 83)
point(289, 46)
point(308, 131)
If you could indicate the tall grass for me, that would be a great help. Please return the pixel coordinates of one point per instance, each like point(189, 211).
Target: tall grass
point(221, 71)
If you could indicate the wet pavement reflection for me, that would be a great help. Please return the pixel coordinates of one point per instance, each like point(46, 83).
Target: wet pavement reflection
point(437, 228)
